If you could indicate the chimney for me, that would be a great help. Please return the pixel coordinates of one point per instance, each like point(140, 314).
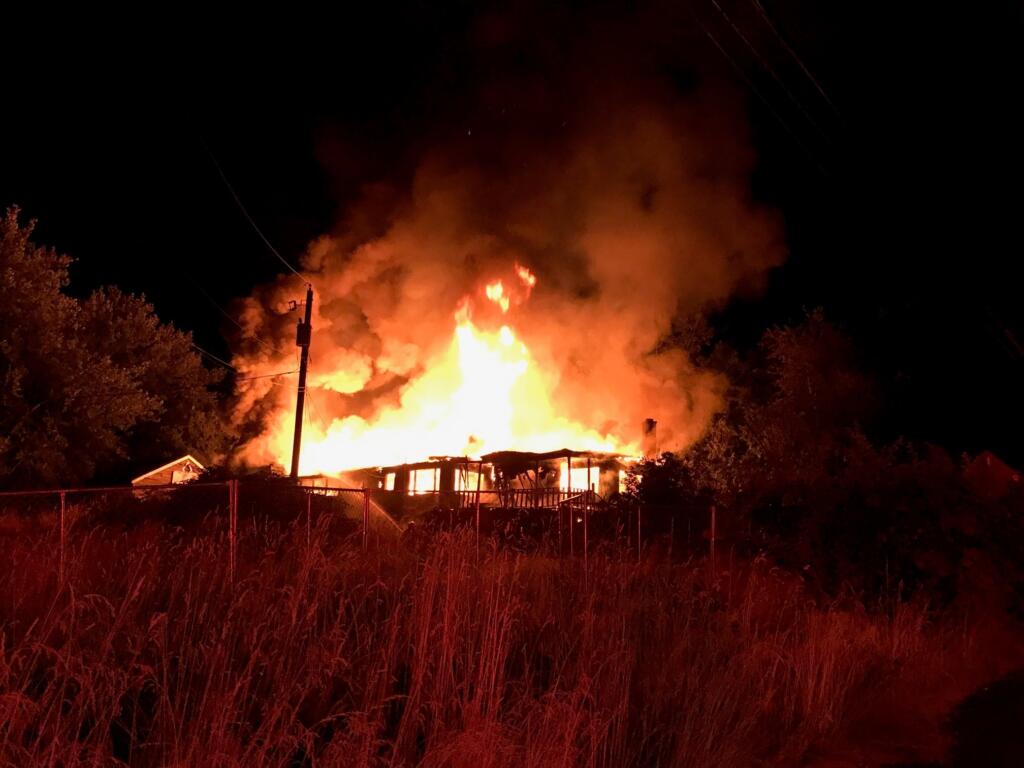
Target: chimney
point(649, 443)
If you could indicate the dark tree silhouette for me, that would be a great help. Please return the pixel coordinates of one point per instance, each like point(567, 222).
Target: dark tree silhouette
point(791, 469)
point(161, 359)
point(85, 385)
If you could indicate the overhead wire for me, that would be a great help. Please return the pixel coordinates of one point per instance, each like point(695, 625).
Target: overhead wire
point(799, 62)
point(226, 364)
point(771, 71)
point(212, 356)
point(249, 218)
point(757, 92)
point(266, 376)
point(309, 396)
point(247, 332)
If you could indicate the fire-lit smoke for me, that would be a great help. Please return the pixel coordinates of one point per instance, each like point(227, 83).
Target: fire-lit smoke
point(517, 298)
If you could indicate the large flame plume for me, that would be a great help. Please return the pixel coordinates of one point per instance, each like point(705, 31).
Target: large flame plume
point(520, 294)
point(483, 392)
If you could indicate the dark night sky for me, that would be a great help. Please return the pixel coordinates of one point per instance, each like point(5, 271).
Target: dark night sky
point(902, 212)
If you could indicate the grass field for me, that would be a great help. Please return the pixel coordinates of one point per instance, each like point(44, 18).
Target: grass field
point(440, 653)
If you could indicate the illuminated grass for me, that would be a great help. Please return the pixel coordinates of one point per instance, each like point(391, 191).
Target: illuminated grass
point(442, 656)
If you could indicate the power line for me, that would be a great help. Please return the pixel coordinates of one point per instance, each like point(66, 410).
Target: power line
point(219, 308)
point(212, 356)
point(316, 411)
point(249, 218)
point(265, 376)
point(803, 67)
point(757, 92)
point(273, 381)
point(771, 71)
point(229, 365)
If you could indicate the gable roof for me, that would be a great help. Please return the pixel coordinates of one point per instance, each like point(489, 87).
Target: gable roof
point(168, 465)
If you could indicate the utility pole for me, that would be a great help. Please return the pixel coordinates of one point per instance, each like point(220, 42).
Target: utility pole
point(303, 334)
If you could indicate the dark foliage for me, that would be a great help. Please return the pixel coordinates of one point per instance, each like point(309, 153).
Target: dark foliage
point(86, 384)
point(792, 471)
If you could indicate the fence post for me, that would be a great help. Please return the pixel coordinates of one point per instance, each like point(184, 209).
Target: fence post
point(586, 521)
point(366, 517)
point(713, 522)
point(309, 504)
point(569, 507)
point(586, 532)
point(232, 527)
point(558, 517)
point(479, 478)
point(63, 537)
point(638, 540)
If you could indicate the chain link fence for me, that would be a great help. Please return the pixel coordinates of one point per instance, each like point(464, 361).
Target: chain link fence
point(250, 515)
point(244, 515)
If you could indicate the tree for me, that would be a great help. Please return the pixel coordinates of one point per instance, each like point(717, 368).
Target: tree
point(83, 383)
point(794, 405)
point(162, 360)
point(777, 460)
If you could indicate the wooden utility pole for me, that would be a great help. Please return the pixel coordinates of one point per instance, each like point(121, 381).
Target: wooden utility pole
point(303, 334)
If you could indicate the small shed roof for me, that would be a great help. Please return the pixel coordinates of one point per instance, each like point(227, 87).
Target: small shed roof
point(188, 457)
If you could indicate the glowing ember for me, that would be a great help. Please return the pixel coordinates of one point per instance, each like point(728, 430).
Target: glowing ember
point(496, 293)
point(529, 279)
point(483, 393)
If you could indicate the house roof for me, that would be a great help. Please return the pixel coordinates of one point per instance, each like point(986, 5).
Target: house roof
point(168, 465)
point(504, 457)
point(500, 457)
point(432, 463)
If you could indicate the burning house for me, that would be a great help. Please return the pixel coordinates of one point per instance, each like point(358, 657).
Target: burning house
point(544, 482)
point(527, 322)
point(511, 478)
point(507, 480)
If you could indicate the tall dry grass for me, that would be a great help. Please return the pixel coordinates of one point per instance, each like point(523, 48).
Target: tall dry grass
point(441, 655)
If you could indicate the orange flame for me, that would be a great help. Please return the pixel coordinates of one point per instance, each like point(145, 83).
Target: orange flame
point(483, 393)
point(496, 293)
point(529, 279)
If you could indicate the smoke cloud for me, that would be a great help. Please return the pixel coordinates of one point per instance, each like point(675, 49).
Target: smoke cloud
point(623, 186)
